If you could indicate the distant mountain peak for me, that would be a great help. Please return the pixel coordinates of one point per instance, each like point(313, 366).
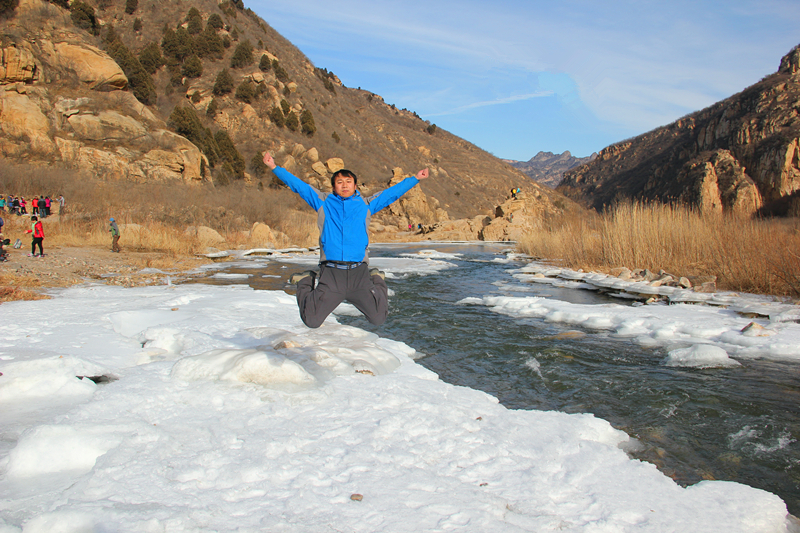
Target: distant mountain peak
point(548, 168)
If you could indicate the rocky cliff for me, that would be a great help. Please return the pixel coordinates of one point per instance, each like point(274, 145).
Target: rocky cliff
point(132, 90)
point(739, 155)
point(548, 168)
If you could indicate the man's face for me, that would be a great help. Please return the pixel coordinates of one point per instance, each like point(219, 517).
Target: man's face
point(344, 186)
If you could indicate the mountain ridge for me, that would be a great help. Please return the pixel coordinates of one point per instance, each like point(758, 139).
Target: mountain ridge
point(547, 168)
point(740, 155)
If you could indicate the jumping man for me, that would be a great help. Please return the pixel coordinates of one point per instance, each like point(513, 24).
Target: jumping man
point(344, 273)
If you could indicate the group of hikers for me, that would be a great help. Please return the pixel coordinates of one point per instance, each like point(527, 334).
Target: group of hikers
point(41, 206)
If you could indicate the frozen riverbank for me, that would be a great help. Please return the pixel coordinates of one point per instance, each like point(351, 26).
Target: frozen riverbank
point(227, 414)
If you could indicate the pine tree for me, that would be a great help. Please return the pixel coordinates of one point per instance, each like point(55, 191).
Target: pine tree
point(243, 55)
point(223, 84)
point(307, 125)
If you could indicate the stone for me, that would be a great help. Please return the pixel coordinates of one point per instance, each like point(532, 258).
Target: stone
point(334, 164)
point(298, 150)
point(663, 280)
point(22, 118)
point(621, 273)
point(312, 155)
point(289, 163)
point(205, 235)
point(93, 67)
point(756, 330)
point(107, 126)
point(17, 63)
point(320, 169)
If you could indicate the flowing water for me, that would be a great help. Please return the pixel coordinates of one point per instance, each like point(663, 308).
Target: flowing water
point(738, 424)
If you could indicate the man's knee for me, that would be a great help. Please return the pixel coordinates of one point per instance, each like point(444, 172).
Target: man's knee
point(312, 322)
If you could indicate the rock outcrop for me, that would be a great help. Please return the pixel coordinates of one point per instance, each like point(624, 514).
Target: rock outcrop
point(101, 128)
point(740, 155)
point(510, 221)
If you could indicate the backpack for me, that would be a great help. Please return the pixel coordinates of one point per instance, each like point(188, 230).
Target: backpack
point(18, 244)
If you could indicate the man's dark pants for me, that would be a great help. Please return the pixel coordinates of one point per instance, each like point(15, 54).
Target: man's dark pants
point(369, 294)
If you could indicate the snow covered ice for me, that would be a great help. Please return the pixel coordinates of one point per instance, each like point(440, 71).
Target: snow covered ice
point(224, 413)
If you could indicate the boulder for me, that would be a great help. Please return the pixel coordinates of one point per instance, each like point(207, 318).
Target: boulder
point(312, 155)
point(205, 235)
point(107, 126)
point(334, 164)
point(22, 120)
point(414, 207)
point(17, 63)
point(93, 67)
point(298, 150)
point(320, 169)
point(289, 163)
point(262, 235)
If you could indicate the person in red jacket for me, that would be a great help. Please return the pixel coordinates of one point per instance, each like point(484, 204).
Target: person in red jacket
point(38, 237)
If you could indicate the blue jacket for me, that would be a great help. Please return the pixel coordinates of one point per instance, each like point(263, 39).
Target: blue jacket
point(343, 222)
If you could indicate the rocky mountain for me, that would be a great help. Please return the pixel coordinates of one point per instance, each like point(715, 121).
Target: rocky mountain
point(548, 168)
point(740, 155)
point(195, 92)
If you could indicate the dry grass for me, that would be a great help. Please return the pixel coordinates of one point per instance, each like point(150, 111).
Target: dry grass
point(14, 287)
point(156, 214)
point(759, 256)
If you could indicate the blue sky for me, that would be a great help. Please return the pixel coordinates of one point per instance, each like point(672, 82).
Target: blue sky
point(518, 77)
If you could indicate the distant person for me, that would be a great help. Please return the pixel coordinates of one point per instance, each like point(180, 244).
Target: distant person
point(23, 206)
point(38, 237)
point(344, 272)
point(35, 206)
point(2, 203)
point(114, 229)
point(61, 203)
point(513, 194)
point(2, 223)
point(47, 206)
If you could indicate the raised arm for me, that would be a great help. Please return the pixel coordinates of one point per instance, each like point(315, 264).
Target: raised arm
point(393, 193)
point(307, 192)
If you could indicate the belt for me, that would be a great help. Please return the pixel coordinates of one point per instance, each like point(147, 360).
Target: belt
point(342, 265)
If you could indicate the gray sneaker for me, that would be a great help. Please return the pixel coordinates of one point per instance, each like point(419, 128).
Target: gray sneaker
point(297, 277)
point(376, 272)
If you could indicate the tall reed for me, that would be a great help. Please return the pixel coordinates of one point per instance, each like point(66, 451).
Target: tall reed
point(752, 255)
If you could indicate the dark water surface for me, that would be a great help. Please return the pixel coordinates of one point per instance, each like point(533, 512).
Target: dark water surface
point(738, 424)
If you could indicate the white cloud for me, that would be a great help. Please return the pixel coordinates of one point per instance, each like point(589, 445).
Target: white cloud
point(498, 101)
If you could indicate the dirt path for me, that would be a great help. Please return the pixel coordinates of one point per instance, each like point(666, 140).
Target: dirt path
point(65, 266)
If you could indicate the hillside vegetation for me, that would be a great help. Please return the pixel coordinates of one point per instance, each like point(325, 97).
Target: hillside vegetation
point(157, 91)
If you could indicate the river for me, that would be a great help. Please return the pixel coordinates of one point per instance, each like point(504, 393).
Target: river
point(738, 424)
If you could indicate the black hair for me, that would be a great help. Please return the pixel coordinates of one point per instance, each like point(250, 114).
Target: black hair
point(346, 173)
